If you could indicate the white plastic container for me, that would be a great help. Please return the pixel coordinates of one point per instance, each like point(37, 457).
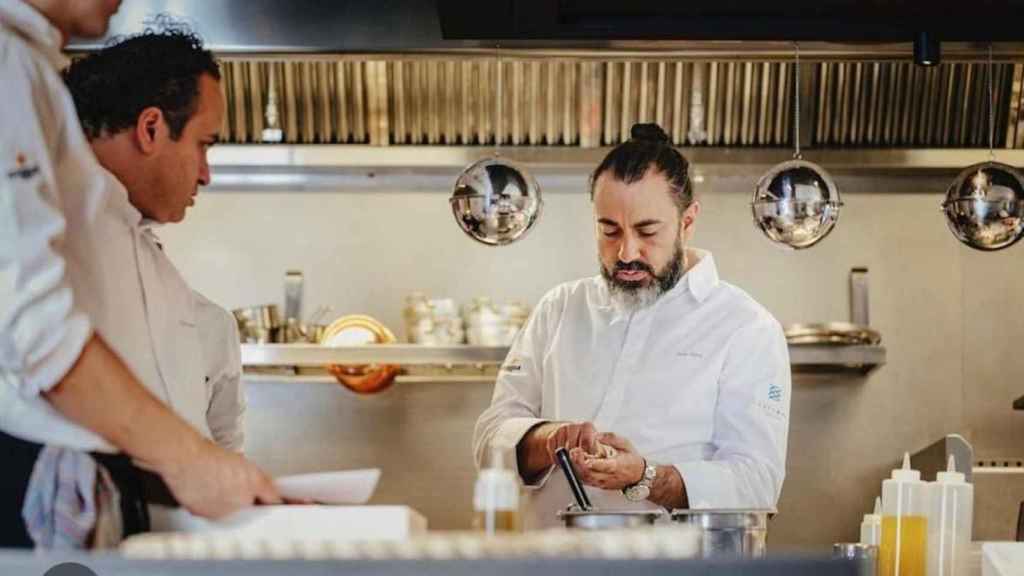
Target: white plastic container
point(904, 547)
point(871, 526)
point(949, 523)
point(496, 498)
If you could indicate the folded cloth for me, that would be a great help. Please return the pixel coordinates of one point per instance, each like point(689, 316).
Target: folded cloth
point(71, 502)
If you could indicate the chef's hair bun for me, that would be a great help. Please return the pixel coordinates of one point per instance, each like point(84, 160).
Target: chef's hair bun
point(649, 133)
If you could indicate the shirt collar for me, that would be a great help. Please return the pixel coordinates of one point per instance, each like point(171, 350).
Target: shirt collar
point(35, 28)
point(701, 278)
point(121, 204)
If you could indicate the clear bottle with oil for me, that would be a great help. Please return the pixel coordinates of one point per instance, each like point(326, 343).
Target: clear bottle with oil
point(904, 547)
point(496, 498)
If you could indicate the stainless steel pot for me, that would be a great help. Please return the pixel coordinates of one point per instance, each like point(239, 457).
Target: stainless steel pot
point(609, 519)
point(864, 554)
point(728, 532)
point(259, 324)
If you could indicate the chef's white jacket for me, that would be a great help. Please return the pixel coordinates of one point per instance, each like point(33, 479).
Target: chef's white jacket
point(77, 257)
point(700, 380)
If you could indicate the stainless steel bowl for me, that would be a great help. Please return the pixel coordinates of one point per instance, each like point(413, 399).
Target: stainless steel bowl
point(609, 519)
point(728, 532)
point(984, 206)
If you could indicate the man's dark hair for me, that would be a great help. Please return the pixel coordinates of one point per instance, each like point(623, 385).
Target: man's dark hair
point(159, 67)
point(648, 148)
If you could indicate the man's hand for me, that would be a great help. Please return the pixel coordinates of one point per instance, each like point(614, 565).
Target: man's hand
point(612, 471)
point(624, 467)
point(206, 479)
point(572, 436)
point(536, 451)
point(217, 482)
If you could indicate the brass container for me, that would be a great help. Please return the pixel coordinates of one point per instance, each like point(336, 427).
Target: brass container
point(360, 330)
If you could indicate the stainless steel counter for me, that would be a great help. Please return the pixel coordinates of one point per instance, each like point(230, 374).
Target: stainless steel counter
point(19, 563)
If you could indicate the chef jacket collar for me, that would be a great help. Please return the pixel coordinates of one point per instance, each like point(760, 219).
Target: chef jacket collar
point(122, 205)
point(35, 28)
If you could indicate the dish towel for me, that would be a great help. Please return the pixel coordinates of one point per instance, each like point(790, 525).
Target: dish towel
point(71, 502)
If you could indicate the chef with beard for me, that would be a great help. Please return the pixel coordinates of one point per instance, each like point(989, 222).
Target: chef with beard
point(669, 387)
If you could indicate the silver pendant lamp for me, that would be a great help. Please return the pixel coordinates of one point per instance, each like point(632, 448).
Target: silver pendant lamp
point(984, 205)
point(496, 201)
point(796, 203)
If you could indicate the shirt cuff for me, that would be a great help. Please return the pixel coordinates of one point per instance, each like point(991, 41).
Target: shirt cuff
point(708, 484)
point(49, 370)
point(505, 441)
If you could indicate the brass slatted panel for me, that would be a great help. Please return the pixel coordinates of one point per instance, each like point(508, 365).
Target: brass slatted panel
point(588, 103)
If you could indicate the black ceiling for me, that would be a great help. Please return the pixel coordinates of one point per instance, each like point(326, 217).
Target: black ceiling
point(762, 20)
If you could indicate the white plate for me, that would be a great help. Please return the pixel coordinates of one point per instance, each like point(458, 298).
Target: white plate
point(342, 487)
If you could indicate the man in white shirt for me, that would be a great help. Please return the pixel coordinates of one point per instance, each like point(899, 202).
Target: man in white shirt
point(669, 387)
point(65, 293)
point(150, 125)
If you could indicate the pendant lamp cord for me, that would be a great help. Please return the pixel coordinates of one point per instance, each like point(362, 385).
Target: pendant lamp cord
point(991, 109)
point(500, 122)
point(796, 104)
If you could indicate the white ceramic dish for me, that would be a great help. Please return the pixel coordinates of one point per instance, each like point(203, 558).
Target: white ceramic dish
point(341, 487)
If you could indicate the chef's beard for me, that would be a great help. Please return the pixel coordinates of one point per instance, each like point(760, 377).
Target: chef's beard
point(634, 295)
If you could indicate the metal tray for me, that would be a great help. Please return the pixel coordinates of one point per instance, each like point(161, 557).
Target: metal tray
point(835, 333)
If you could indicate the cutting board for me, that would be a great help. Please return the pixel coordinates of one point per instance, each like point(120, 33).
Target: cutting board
point(319, 522)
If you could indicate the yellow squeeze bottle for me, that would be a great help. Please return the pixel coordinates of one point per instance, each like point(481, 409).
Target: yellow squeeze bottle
point(904, 548)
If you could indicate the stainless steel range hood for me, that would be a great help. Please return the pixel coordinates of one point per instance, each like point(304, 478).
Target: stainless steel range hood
point(365, 75)
point(593, 102)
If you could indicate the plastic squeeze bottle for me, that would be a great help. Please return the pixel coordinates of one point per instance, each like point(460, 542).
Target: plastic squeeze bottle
point(871, 526)
point(904, 523)
point(949, 522)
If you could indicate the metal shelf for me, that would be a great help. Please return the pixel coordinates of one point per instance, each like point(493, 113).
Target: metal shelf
point(406, 354)
point(803, 358)
point(833, 359)
point(251, 377)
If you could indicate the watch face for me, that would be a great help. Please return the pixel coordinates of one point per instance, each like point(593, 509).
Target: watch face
point(637, 493)
point(650, 473)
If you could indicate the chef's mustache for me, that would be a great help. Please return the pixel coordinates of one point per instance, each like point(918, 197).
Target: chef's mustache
point(634, 266)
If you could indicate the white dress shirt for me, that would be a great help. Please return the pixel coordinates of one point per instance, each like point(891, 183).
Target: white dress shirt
point(699, 380)
point(77, 257)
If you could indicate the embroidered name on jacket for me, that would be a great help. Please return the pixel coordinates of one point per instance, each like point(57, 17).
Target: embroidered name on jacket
point(21, 169)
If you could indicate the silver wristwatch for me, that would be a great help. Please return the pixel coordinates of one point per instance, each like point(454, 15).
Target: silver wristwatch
point(641, 490)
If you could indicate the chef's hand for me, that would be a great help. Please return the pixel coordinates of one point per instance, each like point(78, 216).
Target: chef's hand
point(623, 467)
point(215, 482)
point(572, 436)
point(536, 450)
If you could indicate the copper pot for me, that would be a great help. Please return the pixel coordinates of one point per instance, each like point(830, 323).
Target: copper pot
point(355, 330)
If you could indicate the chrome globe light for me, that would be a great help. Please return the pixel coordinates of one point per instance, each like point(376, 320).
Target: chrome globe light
point(496, 201)
point(984, 206)
point(796, 204)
